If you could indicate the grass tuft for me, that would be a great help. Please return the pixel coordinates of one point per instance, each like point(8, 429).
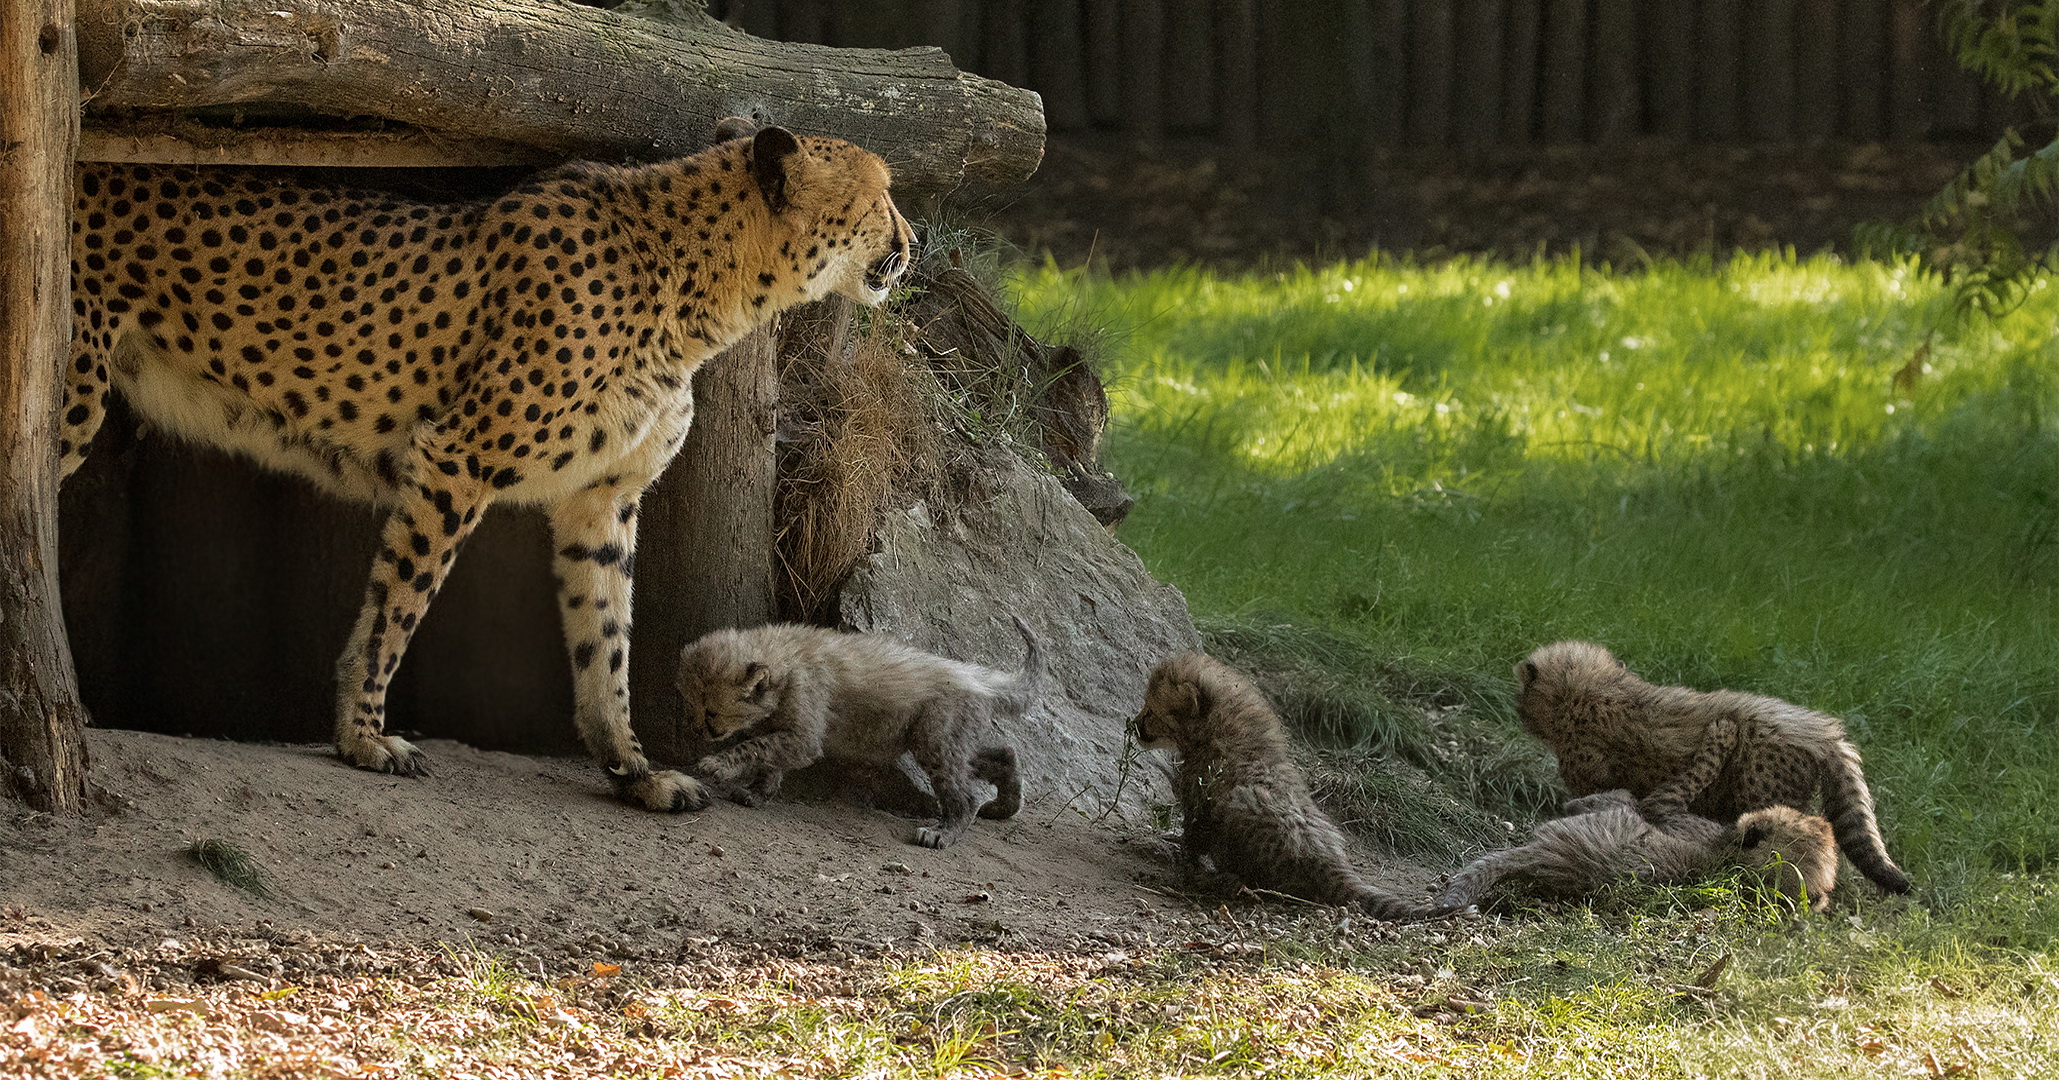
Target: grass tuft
point(230, 865)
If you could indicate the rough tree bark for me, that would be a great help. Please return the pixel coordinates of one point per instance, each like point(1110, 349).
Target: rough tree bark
point(705, 532)
point(42, 737)
point(570, 79)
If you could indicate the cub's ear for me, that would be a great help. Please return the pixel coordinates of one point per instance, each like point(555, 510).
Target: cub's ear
point(735, 127)
point(754, 682)
point(1194, 697)
point(771, 151)
point(1753, 837)
point(1526, 672)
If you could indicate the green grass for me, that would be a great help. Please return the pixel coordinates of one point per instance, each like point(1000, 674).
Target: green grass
point(1711, 470)
point(1380, 484)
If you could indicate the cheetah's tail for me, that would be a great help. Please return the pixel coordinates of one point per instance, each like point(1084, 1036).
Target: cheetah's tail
point(1027, 685)
point(996, 765)
point(1848, 803)
point(1379, 903)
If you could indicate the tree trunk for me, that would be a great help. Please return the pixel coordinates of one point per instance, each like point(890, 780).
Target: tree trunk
point(570, 79)
point(705, 562)
point(42, 724)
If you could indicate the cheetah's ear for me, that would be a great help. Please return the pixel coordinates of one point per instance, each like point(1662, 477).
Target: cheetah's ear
point(1196, 698)
point(770, 149)
point(1753, 837)
point(1526, 672)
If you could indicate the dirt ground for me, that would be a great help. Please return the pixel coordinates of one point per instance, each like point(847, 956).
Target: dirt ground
point(530, 856)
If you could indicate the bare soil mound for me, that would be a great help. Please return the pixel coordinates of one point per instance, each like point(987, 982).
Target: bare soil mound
point(530, 855)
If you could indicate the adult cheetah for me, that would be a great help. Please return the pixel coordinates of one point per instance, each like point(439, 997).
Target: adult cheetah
point(535, 348)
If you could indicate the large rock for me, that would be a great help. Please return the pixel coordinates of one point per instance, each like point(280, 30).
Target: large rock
point(1024, 546)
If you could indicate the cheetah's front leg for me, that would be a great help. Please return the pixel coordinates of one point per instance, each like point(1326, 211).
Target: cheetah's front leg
point(421, 538)
point(594, 531)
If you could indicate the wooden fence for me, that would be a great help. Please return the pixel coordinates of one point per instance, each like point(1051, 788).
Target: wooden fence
point(1431, 73)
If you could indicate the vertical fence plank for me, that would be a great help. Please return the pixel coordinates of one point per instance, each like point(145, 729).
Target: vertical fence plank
point(1143, 47)
point(802, 20)
point(1189, 67)
point(1862, 73)
point(1565, 70)
point(1816, 70)
point(1769, 80)
point(1954, 94)
point(939, 21)
point(1236, 37)
point(1614, 108)
point(1520, 40)
point(1476, 101)
point(759, 17)
point(1105, 62)
point(1367, 57)
point(1386, 75)
point(1910, 32)
point(1004, 41)
point(1717, 69)
point(1669, 67)
point(1429, 72)
point(1056, 46)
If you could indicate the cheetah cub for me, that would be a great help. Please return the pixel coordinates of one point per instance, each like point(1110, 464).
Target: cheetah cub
point(1787, 853)
point(805, 693)
point(1683, 752)
point(1243, 802)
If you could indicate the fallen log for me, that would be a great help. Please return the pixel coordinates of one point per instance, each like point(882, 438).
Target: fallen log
point(576, 81)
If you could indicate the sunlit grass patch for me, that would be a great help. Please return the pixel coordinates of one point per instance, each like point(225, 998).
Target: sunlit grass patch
point(1771, 474)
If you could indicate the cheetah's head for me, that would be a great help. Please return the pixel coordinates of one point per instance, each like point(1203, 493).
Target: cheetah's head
point(1175, 699)
point(725, 689)
point(848, 237)
point(1793, 855)
point(1558, 685)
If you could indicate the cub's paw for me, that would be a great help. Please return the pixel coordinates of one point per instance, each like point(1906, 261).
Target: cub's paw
point(930, 836)
point(1451, 903)
point(719, 769)
point(665, 792)
point(745, 797)
point(387, 754)
point(1600, 800)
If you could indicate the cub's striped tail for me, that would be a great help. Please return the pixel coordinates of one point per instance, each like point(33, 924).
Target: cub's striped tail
point(1030, 681)
point(1848, 803)
point(1346, 887)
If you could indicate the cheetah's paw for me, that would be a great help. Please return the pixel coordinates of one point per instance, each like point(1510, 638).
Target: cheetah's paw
point(665, 792)
point(387, 754)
